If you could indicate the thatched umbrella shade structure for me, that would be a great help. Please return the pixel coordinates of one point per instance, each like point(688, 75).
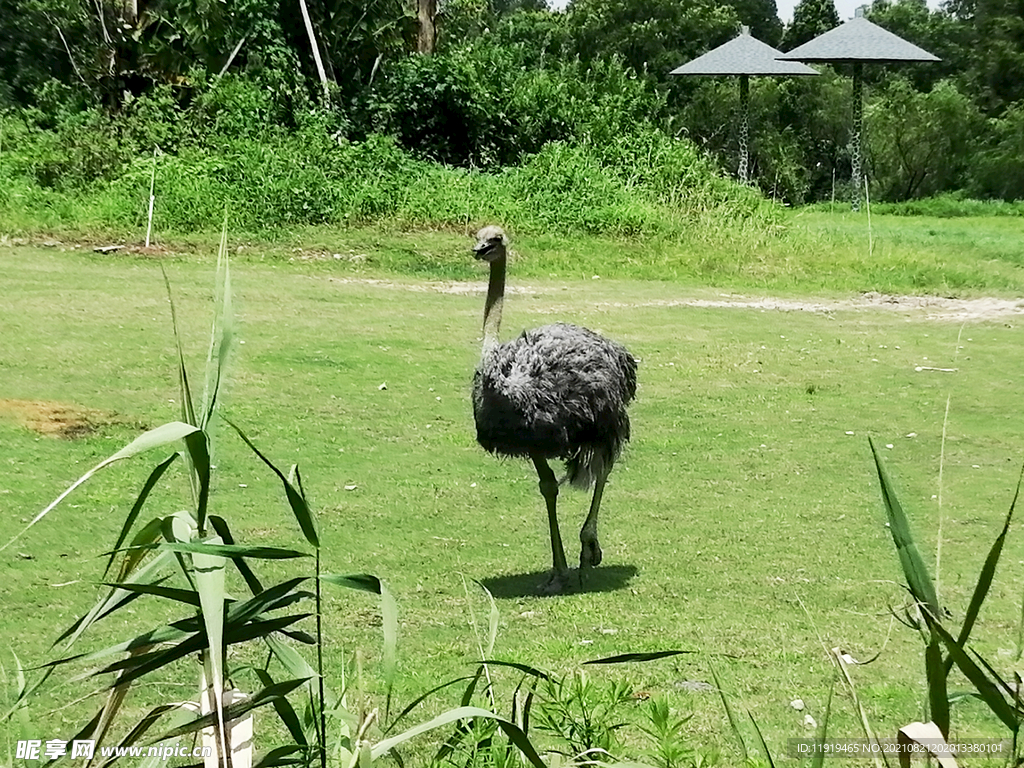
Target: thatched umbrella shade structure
point(746, 57)
point(858, 42)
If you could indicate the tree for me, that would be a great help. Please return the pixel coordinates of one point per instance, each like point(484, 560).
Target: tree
point(938, 32)
point(762, 16)
point(653, 37)
point(810, 19)
point(920, 143)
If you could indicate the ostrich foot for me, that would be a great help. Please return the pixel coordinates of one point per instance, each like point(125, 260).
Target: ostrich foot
point(556, 583)
point(590, 552)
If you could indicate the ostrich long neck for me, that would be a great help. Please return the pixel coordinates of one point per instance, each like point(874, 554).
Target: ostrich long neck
point(493, 305)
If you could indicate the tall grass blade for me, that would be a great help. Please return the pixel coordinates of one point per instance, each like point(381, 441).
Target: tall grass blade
point(115, 598)
point(144, 663)
point(161, 635)
point(733, 723)
point(140, 501)
point(493, 621)
point(819, 754)
point(154, 438)
point(760, 737)
point(150, 533)
point(178, 714)
point(512, 731)
point(914, 571)
point(222, 332)
point(188, 413)
point(985, 578)
point(474, 679)
point(389, 616)
point(296, 500)
point(878, 753)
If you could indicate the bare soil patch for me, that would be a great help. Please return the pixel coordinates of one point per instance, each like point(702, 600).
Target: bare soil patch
point(930, 307)
point(59, 420)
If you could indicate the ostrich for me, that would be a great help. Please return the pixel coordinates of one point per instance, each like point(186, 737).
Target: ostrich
point(556, 392)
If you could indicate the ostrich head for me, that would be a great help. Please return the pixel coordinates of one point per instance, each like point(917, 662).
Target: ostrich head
point(491, 243)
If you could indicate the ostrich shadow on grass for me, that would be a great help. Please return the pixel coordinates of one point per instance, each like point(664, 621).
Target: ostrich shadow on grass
point(601, 579)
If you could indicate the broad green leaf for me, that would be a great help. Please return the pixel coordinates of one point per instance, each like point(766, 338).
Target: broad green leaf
point(154, 438)
point(272, 599)
point(364, 582)
point(936, 675)
point(521, 667)
point(282, 756)
point(186, 596)
point(220, 527)
point(296, 500)
point(285, 711)
point(198, 446)
point(631, 657)
point(148, 534)
point(914, 571)
point(209, 574)
point(161, 635)
point(142, 664)
point(232, 712)
point(228, 550)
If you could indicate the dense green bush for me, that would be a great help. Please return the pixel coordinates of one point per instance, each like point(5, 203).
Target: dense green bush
point(483, 106)
point(999, 168)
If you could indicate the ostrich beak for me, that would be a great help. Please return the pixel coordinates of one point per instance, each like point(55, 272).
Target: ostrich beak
point(482, 248)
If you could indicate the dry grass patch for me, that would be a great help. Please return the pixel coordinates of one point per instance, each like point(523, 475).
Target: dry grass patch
point(56, 419)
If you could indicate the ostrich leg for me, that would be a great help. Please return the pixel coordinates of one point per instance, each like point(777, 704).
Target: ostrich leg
point(590, 550)
point(549, 490)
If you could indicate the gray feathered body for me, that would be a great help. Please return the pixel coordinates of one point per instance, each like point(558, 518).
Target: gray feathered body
point(558, 391)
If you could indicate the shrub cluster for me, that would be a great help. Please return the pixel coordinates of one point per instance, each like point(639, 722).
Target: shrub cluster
point(570, 148)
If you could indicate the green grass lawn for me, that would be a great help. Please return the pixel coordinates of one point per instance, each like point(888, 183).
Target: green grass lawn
point(743, 522)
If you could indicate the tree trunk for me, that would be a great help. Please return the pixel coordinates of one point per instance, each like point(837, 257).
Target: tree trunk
point(426, 11)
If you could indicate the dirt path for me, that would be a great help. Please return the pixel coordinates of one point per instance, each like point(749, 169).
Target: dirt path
point(930, 307)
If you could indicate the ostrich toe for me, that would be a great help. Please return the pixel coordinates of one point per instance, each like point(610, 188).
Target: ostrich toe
point(590, 552)
point(556, 583)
